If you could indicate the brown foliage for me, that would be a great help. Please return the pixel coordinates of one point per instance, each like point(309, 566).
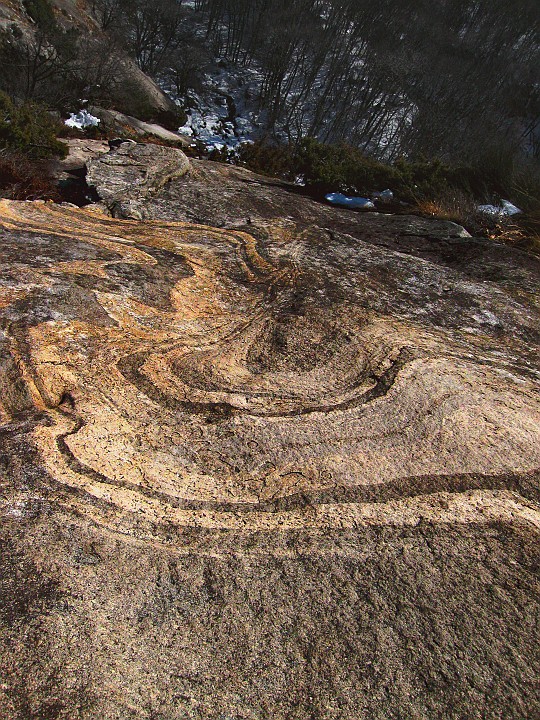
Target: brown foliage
point(24, 179)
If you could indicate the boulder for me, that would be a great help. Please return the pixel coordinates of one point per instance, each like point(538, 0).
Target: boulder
point(118, 122)
point(132, 172)
point(80, 152)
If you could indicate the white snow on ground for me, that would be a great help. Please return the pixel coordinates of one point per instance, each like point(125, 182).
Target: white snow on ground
point(225, 113)
point(383, 195)
point(506, 208)
point(490, 209)
point(82, 120)
point(510, 209)
point(359, 203)
point(226, 108)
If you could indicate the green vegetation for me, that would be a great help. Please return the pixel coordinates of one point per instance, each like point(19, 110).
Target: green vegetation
point(343, 168)
point(331, 168)
point(40, 11)
point(29, 128)
point(27, 140)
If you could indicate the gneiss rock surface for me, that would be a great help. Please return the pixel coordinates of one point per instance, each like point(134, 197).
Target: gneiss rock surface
point(80, 151)
point(282, 463)
point(133, 172)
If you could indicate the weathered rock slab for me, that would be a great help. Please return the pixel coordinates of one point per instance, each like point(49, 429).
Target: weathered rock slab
point(132, 172)
point(80, 152)
point(120, 123)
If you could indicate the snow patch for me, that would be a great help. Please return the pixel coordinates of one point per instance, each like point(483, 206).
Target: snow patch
point(506, 208)
point(383, 195)
point(224, 113)
point(82, 120)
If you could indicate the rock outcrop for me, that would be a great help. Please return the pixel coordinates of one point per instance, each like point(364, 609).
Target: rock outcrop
point(263, 458)
point(133, 172)
point(80, 152)
point(117, 122)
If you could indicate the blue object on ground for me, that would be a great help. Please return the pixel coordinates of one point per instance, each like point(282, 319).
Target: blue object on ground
point(359, 203)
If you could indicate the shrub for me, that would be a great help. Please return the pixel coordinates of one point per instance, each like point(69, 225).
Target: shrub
point(342, 168)
point(29, 129)
point(24, 179)
point(275, 160)
point(40, 11)
point(525, 187)
point(457, 206)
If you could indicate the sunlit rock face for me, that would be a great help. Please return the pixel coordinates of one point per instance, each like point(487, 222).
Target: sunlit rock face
point(265, 459)
point(131, 173)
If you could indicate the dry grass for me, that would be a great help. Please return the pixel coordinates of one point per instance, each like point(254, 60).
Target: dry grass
point(521, 231)
point(456, 207)
point(530, 228)
point(25, 179)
